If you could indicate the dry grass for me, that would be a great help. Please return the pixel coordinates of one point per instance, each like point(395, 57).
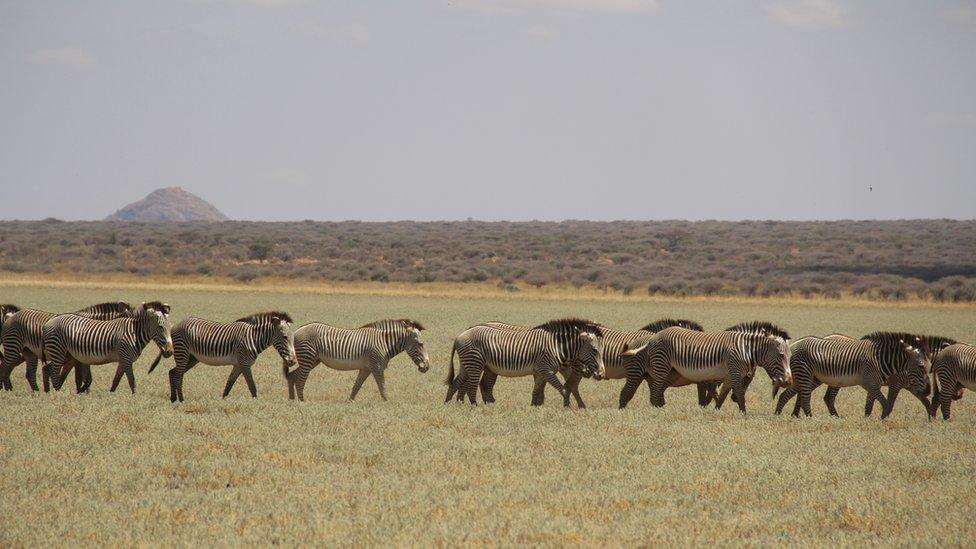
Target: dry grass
point(136, 470)
point(459, 290)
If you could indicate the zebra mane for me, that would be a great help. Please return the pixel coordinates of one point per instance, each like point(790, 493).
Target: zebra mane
point(890, 339)
point(934, 344)
point(575, 324)
point(759, 327)
point(388, 323)
point(261, 318)
point(118, 307)
point(664, 323)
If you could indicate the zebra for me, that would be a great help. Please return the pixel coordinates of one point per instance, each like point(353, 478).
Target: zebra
point(367, 349)
point(540, 351)
point(79, 341)
point(21, 339)
point(707, 356)
point(880, 358)
point(613, 343)
point(235, 344)
point(930, 345)
point(953, 369)
point(756, 327)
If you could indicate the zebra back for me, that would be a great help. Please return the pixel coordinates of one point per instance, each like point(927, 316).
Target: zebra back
point(893, 351)
point(107, 310)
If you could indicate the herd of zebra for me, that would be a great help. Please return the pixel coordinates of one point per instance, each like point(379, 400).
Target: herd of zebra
point(666, 353)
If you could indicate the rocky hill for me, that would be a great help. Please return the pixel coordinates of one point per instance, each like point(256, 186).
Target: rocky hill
point(169, 204)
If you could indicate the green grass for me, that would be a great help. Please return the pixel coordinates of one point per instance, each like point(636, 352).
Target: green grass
point(120, 469)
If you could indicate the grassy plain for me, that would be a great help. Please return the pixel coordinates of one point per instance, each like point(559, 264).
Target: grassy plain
point(137, 470)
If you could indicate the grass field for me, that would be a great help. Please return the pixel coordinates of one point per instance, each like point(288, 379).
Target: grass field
point(136, 470)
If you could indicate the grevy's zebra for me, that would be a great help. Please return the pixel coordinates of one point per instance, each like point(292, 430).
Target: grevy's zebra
point(875, 360)
point(930, 345)
point(72, 341)
point(613, 344)
point(707, 356)
point(235, 344)
point(953, 369)
point(367, 349)
point(540, 352)
point(22, 340)
point(754, 327)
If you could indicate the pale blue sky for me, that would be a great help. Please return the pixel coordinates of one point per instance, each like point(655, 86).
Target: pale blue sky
point(516, 109)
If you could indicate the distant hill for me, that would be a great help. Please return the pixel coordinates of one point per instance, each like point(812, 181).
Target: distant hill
point(169, 204)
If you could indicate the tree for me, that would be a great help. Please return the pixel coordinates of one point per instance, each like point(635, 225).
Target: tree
point(259, 251)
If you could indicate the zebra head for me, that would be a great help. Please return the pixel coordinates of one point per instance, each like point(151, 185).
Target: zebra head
point(414, 346)
point(284, 339)
point(917, 367)
point(159, 325)
point(772, 353)
point(7, 311)
point(590, 353)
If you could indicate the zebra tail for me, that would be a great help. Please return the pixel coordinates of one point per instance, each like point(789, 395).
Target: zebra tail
point(155, 362)
point(450, 372)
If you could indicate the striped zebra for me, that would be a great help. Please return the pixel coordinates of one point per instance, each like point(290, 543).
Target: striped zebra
point(881, 358)
point(613, 344)
point(930, 345)
point(236, 344)
point(74, 341)
point(755, 327)
point(707, 356)
point(539, 352)
point(22, 341)
point(367, 349)
point(953, 369)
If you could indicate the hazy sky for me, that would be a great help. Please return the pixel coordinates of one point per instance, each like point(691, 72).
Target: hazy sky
point(515, 109)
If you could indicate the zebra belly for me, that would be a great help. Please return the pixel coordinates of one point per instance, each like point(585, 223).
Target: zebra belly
point(615, 372)
point(92, 359)
point(967, 382)
point(838, 379)
point(345, 364)
point(711, 372)
point(518, 371)
point(216, 360)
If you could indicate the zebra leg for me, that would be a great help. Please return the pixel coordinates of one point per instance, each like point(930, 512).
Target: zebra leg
point(249, 379)
point(784, 398)
point(630, 388)
point(190, 362)
point(119, 371)
point(572, 388)
point(657, 388)
point(173, 383)
point(234, 374)
point(558, 385)
point(5, 374)
point(88, 377)
point(487, 386)
point(61, 371)
point(874, 393)
point(893, 391)
point(539, 391)
point(720, 398)
point(949, 388)
point(363, 374)
point(31, 374)
point(80, 378)
point(380, 377)
point(804, 398)
point(130, 378)
point(830, 397)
